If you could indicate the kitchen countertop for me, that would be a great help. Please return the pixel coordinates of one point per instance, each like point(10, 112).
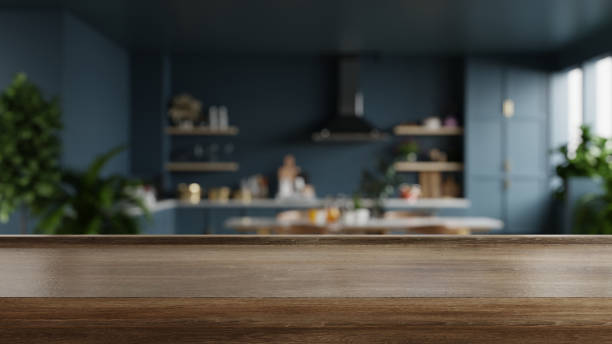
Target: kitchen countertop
point(393, 203)
point(474, 224)
point(262, 289)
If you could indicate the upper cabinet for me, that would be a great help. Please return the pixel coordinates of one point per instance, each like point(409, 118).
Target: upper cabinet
point(528, 89)
point(484, 89)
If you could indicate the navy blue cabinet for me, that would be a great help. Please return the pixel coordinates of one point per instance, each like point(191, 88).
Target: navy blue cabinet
point(160, 223)
point(506, 145)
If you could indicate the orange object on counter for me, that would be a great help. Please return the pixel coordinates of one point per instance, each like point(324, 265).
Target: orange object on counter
point(312, 215)
point(333, 214)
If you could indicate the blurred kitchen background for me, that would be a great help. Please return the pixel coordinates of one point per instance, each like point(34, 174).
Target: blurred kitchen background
point(306, 117)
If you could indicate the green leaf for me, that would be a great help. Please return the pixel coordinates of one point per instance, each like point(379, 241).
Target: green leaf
point(29, 145)
point(94, 225)
point(50, 223)
point(94, 169)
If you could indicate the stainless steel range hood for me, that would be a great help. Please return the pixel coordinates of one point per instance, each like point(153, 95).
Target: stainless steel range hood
point(349, 124)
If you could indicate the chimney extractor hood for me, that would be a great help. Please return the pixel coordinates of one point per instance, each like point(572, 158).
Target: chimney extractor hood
point(349, 124)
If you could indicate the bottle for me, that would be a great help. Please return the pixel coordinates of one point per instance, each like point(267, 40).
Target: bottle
point(213, 118)
point(223, 118)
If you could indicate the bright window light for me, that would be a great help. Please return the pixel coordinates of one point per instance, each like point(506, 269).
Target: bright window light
point(603, 107)
point(574, 108)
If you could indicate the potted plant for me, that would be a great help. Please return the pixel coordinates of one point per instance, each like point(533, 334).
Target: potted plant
point(587, 174)
point(379, 185)
point(408, 150)
point(87, 203)
point(29, 148)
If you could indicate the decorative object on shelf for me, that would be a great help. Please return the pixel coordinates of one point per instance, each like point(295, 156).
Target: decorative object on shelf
point(86, 203)
point(213, 117)
point(432, 123)
point(450, 187)
point(410, 192)
point(223, 118)
point(243, 195)
point(191, 193)
point(437, 155)
point(256, 185)
point(185, 110)
point(431, 184)
point(408, 150)
point(29, 149)
point(451, 122)
point(219, 194)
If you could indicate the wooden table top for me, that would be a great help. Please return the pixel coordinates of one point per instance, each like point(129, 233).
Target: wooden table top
point(306, 266)
point(290, 289)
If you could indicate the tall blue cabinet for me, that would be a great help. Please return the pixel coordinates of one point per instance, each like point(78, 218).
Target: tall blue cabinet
point(506, 111)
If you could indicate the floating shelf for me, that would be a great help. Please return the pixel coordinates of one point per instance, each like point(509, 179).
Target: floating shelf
point(415, 130)
point(428, 166)
point(202, 131)
point(202, 166)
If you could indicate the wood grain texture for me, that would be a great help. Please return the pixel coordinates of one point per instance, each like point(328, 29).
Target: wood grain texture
point(306, 289)
point(35, 241)
point(297, 267)
point(177, 166)
point(300, 320)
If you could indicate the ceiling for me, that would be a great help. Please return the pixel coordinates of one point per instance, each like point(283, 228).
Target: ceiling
point(333, 26)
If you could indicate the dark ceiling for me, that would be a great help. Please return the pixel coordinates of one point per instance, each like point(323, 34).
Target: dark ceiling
point(332, 26)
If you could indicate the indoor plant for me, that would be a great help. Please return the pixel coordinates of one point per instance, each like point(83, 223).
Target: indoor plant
point(591, 159)
point(408, 150)
point(29, 148)
point(87, 203)
point(378, 185)
point(593, 212)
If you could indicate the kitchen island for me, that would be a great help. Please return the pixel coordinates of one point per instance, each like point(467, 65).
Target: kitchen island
point(286, 289)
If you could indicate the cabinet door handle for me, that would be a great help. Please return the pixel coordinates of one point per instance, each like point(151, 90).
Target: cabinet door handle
point(508, 108)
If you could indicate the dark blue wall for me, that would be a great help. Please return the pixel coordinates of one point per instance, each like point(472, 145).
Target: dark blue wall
point(30, 42)
point(277, 102)
point(95, 96)
point(89, 73)
point(150, 82)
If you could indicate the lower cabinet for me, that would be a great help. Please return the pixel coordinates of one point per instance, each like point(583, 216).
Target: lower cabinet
point(161, 223)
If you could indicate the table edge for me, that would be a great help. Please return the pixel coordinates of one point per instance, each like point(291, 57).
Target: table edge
point(297, 240)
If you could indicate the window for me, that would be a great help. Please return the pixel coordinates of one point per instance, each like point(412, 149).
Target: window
point(603, 97)
point(574, 108)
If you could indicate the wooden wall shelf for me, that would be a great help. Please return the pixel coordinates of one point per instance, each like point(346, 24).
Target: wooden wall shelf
point(428, 166)
point(414, 130)
point(202, 166)
point(202, 131)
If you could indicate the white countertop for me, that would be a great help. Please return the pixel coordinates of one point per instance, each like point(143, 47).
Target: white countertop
point(473, 223)
point(392, 203)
